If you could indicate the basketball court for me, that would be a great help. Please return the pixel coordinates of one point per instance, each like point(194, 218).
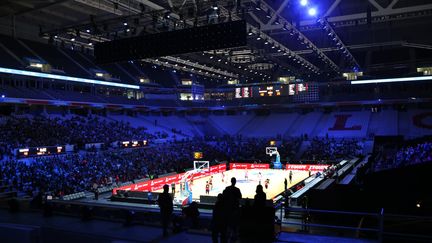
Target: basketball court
point(248, 185)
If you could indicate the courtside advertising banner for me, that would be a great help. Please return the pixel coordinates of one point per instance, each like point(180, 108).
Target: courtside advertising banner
point(157, 184)
point(305, 167)
point(244, 166)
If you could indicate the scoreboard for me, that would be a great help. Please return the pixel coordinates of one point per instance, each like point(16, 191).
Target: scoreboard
point(271, 90)
point(40, 151)
point(244, 92)
point(134, 143)
point(297, 91)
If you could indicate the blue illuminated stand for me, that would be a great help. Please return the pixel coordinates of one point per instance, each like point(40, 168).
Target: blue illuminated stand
point(277, 164)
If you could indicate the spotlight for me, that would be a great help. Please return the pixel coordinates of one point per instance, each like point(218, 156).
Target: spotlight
point(303, 2)
point(268, 14)
point(259, 38)
point(285, 26)
point(258, 6)
point(73, 39)
point(125, 23)
point(312, 11)
point(276, 22)
point(87, 30)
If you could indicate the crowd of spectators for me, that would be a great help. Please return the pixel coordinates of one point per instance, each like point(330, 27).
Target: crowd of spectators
point(332, 149)
point(82, 170)
point(395, 156)
point(69, 173)
point(414, 154)
point(22, 131)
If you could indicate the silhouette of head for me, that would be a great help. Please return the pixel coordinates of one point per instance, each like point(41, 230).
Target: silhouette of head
point(165, 188)
point(219, 197)
point(233, 181)
point(259, 188)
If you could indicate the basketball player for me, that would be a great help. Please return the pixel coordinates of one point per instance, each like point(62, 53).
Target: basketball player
point(259, 178)
point(211, 182)
point(266, 183)
point(223, 177)
point(290, 176)
point(246, 175)
point(207, 188)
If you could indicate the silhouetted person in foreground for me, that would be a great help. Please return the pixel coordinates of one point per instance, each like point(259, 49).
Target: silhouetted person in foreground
point(231, 198)
point(218, 224)
point(165, 202)
point(260, 197)
point(192, 213)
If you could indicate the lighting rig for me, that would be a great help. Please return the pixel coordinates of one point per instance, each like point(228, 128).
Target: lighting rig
point(287, 26)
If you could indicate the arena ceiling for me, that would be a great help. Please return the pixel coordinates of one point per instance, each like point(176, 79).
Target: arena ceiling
point(379, 37)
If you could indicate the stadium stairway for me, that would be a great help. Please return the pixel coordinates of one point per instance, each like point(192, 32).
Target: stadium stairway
point(204, 127)
point(147, 122)
point(304, 124)
point(231, 124)
point(269, 126)
point(320, 125)
point(176, 122)
point(140, 122)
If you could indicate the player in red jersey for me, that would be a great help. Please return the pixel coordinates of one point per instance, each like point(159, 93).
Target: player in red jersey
point(266, 183)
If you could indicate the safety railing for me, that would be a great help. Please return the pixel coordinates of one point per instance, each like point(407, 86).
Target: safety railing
point(331, 221)
point(378, 226)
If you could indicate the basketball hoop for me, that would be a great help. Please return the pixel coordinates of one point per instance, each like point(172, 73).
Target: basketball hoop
point(271, 150)
point(201, 165)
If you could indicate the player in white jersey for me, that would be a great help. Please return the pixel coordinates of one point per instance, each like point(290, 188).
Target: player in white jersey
point(259, 178)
